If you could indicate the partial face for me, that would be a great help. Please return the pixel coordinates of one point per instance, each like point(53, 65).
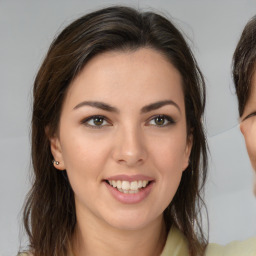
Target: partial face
point(248, 125)
point(123, 139)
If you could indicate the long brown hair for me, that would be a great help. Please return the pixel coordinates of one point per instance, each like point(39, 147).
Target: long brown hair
point(49, 214)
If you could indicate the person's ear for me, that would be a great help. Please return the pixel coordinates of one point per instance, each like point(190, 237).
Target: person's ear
point(188, 151)
point(56, 150)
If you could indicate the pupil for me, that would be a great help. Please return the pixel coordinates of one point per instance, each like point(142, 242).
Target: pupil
point(98, 120)
point(159, 120)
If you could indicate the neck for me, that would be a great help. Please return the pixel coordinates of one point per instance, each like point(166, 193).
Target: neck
point(97, 238)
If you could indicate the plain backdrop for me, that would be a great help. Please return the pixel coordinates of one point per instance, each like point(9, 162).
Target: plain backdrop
point(213, 28)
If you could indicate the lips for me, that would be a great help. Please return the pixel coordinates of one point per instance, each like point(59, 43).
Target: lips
point(129, 189)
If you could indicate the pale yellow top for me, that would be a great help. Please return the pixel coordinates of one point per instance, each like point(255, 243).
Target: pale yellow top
point(236, 248)
point(176, 245)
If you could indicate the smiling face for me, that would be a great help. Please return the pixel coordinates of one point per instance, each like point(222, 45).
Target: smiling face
point(248, 125)
point(122, 138)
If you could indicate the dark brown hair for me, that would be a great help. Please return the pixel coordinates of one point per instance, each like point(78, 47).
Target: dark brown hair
point(244, 61)
point(49, 214)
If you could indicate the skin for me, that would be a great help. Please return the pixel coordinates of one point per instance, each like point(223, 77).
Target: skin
point(129, 141)
point(248, 126)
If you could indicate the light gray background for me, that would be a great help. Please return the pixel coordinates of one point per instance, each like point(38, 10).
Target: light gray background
point(28, 27)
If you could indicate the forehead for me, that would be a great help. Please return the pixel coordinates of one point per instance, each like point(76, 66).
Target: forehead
point(127, 75)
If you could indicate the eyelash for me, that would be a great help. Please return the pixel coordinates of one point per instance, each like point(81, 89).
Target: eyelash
point(93, 119)
point(167, 121)
point(250, 115)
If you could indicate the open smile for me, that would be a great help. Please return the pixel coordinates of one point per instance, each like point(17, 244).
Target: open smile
point(128, 187)
point(129, 190)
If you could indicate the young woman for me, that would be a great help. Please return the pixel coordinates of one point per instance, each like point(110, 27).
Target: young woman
point(118, 146)
point(244, 66)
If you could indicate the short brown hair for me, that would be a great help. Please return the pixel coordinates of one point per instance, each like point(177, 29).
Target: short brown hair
point(244, 60)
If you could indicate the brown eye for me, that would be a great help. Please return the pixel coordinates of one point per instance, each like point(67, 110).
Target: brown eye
point(96, 122)
point(161, 121)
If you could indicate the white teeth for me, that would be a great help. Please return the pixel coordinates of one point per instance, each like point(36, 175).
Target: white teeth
point(134, 185)
point(119, 184)
point(128, 187)
point(114, 183)
point(125, 185)
point(144, 183)
point(128, 191)
point(133, 191)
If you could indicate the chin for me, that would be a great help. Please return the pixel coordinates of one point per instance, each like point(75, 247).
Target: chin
point(132, 221)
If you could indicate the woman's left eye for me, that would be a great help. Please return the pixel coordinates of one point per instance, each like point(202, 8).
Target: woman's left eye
point(96, 121)
point(161, 120)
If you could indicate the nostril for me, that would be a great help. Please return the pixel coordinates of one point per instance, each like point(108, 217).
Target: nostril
point(130, 160)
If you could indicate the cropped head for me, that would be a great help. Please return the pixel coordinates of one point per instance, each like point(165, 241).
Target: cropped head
point(118, 93)
point(244, 75)
point(244, 64)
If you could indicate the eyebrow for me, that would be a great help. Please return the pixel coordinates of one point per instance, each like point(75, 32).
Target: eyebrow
point(158, 105)
point(145, 109)
point(97, 104)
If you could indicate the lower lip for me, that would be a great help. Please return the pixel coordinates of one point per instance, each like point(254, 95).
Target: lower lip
point(130, 198)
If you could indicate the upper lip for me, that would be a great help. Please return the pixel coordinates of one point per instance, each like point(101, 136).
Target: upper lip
point(130, 178)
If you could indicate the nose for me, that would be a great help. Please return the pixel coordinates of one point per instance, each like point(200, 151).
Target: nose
point(130, 147)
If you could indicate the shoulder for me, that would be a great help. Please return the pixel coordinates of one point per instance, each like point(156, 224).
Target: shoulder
point(237, 248)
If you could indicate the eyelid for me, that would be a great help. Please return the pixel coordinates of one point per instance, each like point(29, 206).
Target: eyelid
point(87, 119)
point(167, 117)
point(250, 115)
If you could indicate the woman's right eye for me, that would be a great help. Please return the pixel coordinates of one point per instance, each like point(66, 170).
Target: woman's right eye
point(96, 122)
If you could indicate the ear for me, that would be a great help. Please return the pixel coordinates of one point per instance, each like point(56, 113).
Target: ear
point(188, 151)
point(56, 150)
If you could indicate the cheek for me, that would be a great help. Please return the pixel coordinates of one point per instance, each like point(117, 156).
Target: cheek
point(169, 158)
point(84, 156)
point(169, 153)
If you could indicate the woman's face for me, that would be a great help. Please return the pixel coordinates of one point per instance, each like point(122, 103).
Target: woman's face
point(122, 138)
point(248, 125)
